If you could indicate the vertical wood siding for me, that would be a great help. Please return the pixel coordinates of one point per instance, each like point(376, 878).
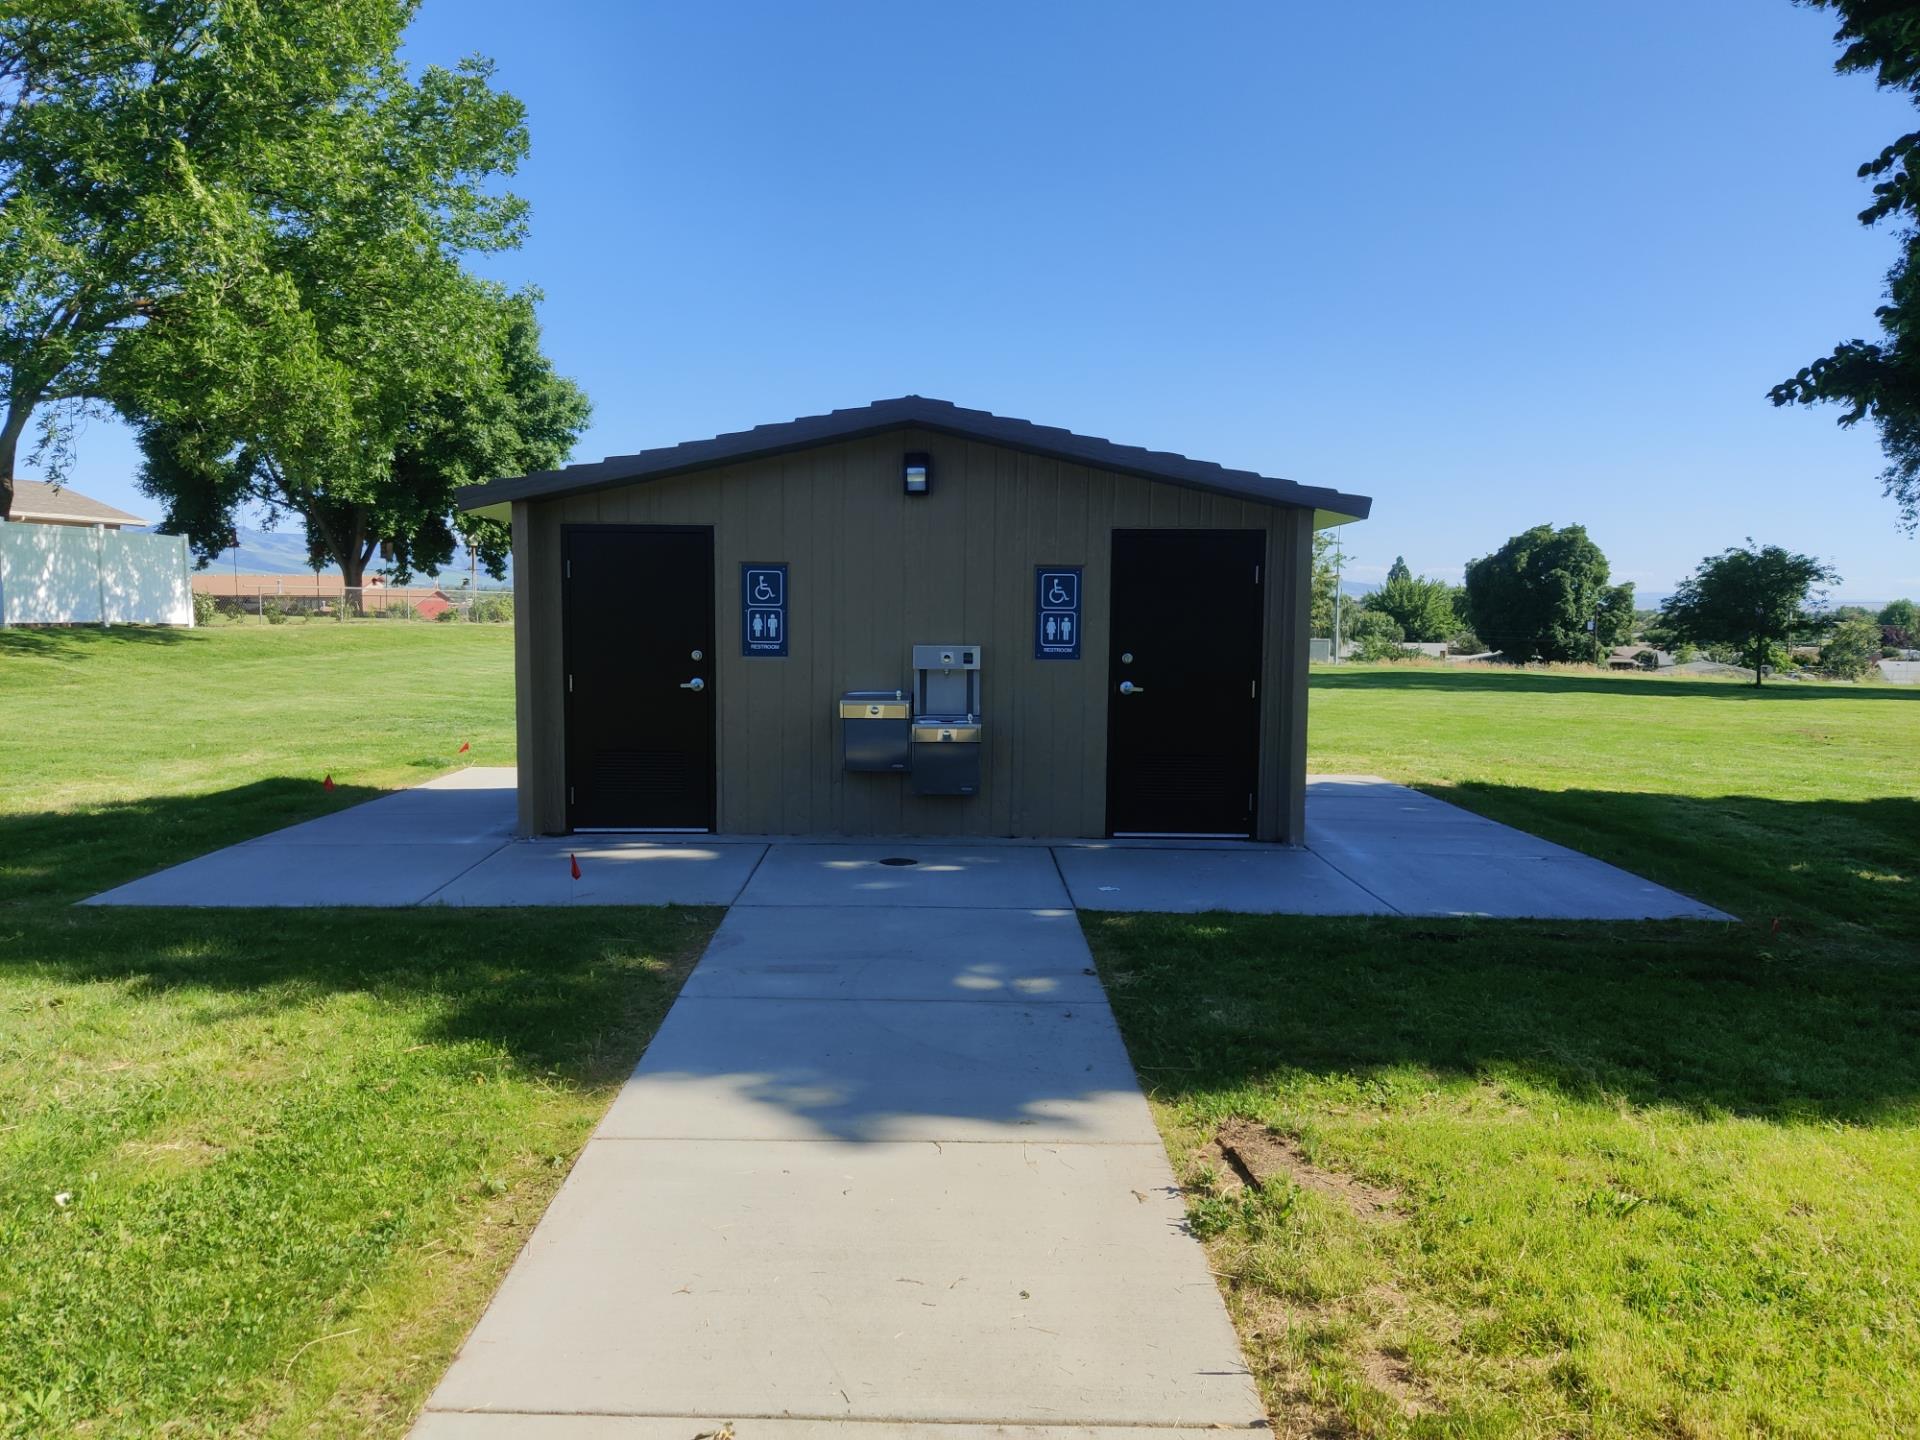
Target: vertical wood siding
point(871, 573)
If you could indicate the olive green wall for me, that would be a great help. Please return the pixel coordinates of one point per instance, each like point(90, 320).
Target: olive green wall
point(871, 572)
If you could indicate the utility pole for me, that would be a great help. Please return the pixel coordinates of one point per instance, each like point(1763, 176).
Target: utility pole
point(1339, 556)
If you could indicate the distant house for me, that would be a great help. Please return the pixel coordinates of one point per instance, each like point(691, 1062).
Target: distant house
point(326, 585)
point(36, 502)
point(1900, 672)
point(319, 594)
point(1627, 657)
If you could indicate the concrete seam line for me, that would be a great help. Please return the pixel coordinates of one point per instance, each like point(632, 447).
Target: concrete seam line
point(424, 899)
point(758, 861)
point(1073, 902)
point(1355, 881)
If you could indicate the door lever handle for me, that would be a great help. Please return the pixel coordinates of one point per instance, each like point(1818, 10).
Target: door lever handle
point(1127, 687)
point(694, 684)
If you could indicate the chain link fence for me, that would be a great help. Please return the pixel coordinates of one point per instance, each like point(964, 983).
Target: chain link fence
point(281, 604)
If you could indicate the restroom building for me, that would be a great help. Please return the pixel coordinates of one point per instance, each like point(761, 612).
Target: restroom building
point(911, 619)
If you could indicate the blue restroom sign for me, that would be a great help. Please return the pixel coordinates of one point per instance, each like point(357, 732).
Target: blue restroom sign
point(763, 609)
point(1056, 612)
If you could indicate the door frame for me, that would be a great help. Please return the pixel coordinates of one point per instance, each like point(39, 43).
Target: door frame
point(566, 669)
point(1261, 698)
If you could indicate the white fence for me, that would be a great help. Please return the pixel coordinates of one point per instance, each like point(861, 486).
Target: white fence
point(89, 575)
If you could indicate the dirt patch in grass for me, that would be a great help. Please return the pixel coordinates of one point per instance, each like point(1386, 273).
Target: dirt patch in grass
point(1252, 1155)
point(1334, 1370)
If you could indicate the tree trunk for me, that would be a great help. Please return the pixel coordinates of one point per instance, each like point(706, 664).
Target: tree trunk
point(10, 431)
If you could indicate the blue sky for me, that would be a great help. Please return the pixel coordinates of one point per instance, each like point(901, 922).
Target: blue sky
point(1492, 264)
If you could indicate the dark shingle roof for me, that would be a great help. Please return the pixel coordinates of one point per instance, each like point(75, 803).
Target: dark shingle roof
point(940, 416)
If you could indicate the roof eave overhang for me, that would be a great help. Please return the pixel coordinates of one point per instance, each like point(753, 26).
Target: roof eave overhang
point(51, 517)
point(495, 498)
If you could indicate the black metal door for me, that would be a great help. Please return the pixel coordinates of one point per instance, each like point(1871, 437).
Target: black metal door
point(640, 694)
point(1183, 707)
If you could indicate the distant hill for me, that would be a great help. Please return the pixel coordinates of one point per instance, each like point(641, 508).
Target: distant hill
point(284, 552)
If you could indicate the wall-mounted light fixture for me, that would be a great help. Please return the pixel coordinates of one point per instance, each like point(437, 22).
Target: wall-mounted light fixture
point(918, 472)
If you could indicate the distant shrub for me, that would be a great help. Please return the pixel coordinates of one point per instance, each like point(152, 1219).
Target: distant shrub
point(450, 613)
point(395, 609)
point(1851, 649)
point(1465, 642)
point(273, 610)
point(492, 610)
point(1646, 659)
point(204, 608)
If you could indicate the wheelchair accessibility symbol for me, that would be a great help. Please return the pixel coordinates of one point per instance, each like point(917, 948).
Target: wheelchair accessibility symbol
point(764, 587)
point(1060, 590)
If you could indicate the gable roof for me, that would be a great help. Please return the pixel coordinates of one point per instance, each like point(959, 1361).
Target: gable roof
point(1331, 507)
point(38, 500)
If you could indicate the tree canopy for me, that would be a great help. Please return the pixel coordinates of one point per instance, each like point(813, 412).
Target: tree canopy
point(1900, 622)
point(1423, 609)
point(1880, 379)
point(509, 415)
point(145, 146)
point(345, 368)
point(1753, 598)
point(1537, 595)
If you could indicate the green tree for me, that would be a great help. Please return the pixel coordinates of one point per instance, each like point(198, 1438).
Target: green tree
point(1536, 596)
point(349, 371)
point(1377, 636)
point(1616, 620)
point(1324, 579)
point(1880, 378)
point(142, 145)
point(1423, 609)
point(1752, 599)
point(516, 415)
point(1900, 623)
point(1851, 649)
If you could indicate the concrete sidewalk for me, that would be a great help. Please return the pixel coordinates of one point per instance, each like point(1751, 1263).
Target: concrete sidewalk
point(885, 1163)
point(1373, 848)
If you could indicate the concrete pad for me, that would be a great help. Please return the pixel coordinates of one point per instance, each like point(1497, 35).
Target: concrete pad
point(1424, 856)
point(481, 1425)
point(1265, 880)
point(684, 870)
point(899, 1282)
point(970, 876)
point(299, 876)
point(883, 1070)
point(1389, 835)
point(1570, 887)
point(500, 778)
point(423, 816)
point(909, 953)
point(1360, 787)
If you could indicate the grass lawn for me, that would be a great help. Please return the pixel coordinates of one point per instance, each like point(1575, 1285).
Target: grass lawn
point(260, 1170)
point(1519, 1179)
